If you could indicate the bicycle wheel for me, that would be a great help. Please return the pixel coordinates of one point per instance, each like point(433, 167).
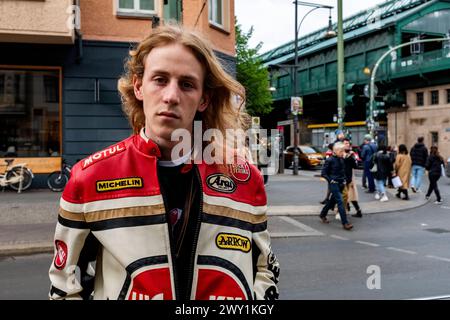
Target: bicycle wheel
point(56, 181)
point(27, 178)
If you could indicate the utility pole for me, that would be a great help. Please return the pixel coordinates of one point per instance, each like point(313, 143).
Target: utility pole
point(340, 66)
point(295, 171)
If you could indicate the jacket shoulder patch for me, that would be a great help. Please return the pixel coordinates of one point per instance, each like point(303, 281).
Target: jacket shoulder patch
point(104, 154)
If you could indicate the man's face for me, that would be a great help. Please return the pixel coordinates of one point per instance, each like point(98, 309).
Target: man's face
point(346, 145)
point(171, 90)
point(340, 153)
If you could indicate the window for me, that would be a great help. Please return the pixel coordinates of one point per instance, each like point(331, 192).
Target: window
point(419, 99)
point(137, 6)
point(434, 97)
point(217, 13)
point(448, 95)
point(434, 138)
point(29, 112)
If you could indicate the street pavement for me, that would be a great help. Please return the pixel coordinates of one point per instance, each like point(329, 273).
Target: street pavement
point(409, 243)
point(27, 220)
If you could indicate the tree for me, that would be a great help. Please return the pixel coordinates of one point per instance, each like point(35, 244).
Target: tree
point(252, 74)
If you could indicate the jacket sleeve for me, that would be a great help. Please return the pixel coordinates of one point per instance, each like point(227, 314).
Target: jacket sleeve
point(326, 169)
point(69, 269)
point(266, 266)
point(428, 164)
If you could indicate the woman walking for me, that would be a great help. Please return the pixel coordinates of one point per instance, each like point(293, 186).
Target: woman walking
point(433, 165)
point(402, 167)
point(384, 168)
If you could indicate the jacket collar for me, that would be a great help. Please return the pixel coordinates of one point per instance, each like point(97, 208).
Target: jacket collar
point(146, 145)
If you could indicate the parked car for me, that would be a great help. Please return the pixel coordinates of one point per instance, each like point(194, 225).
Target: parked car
point(308, 157)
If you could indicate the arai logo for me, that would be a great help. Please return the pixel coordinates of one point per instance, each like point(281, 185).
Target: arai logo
point(221, 183)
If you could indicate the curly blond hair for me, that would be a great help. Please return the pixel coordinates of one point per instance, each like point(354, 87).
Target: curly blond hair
point(226, 95)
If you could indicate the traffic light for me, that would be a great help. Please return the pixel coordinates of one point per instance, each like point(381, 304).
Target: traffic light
point(350, 93)
point(377, 109)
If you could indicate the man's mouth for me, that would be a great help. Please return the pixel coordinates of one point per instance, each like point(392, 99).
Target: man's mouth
point(168, 114)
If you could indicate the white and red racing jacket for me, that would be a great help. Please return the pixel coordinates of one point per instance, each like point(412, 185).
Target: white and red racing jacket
point(114, 198)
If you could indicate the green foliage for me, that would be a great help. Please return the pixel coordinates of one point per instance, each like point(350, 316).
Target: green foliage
point(252, 74)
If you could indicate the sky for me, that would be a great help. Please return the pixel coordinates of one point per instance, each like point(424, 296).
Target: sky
point(273, 20)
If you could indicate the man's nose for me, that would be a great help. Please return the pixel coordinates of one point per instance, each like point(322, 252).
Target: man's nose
point(172, 93)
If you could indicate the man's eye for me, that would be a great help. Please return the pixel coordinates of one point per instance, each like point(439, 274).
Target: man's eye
point(160, 80)
point(187, 85)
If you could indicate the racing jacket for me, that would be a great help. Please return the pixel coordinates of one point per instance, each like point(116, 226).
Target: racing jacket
point(114, 199)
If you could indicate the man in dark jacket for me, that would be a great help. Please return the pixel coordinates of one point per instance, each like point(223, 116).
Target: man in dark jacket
point(419, 155)
point(368, 150)
point(334, 172)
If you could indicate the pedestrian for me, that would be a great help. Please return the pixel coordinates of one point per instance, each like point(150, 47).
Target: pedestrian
point(383, 164)
point(402, 168)
point(351, 193)
point(364, 177)
point(392, 154)
point(419, 155)
point(368, 150)
point(155, 224)
point(434, 166)
point(334, 172)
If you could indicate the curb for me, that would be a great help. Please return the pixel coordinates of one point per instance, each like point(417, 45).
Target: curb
point(26, 248)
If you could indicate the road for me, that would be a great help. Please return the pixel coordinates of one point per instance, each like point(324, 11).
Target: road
point(410, 249)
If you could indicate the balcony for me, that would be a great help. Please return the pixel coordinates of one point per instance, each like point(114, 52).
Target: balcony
point(37, 21)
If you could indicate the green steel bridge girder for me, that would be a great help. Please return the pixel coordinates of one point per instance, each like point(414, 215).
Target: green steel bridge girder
point(363, 52)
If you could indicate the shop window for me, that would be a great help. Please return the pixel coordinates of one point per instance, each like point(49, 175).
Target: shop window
point(419, 99)
point(434, 97)
point(136, 7)
point(29, 113)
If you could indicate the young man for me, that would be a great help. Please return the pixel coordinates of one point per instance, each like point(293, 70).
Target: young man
point(419, 156)
point(154, 225)
point(334, 172)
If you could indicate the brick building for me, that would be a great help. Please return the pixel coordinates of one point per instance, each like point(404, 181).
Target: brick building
point(60, 63)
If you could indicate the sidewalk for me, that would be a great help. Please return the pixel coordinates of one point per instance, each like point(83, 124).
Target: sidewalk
point(27, 220)
point(304, 201)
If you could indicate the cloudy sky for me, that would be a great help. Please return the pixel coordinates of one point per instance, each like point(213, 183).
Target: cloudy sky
point(273, 20)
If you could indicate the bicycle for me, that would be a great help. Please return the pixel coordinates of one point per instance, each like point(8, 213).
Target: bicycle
point(57, 180)
point(17, 177)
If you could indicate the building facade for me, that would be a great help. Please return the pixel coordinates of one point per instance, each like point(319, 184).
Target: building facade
point(60, 63)
point(427, 114)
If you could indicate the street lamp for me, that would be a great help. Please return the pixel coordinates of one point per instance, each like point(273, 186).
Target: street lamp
point(329, 33)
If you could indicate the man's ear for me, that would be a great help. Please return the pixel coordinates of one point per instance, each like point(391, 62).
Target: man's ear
point(204, 103)
point(137, 84)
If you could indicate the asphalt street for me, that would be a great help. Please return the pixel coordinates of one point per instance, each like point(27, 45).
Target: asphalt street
point(399, 255)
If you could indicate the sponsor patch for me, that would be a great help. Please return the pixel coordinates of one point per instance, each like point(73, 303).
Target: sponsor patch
point(221, 183)
point(240, 171)
point(119, 184)
point(61, 254)
point(98, 156)
point(230, 241)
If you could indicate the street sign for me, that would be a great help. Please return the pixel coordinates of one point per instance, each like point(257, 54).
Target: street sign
point(367, 91)
point(296, 106)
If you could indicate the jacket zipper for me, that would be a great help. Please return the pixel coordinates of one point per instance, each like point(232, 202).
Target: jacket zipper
point(196, 235)
point(172, 248)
